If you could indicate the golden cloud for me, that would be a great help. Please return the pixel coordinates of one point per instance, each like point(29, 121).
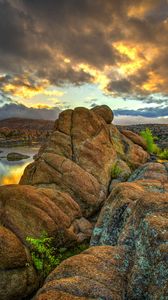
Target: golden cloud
point(108, 43)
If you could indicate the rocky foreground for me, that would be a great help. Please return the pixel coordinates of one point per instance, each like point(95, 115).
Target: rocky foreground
point(73, 192)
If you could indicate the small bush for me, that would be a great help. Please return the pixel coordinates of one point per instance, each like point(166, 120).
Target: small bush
point(150, 141)
point(164, 154)
point(115, 171)
point(46, 257)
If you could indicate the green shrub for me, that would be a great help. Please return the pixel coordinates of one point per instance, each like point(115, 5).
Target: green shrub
point(150, 141)
point(115, 171)
point(46, 257)
point(164, 154)
point(42, 253)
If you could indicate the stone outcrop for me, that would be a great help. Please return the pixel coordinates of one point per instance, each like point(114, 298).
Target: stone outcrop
point(84, 138)
point(16, 156)
point(128, 258)
point(62, 193)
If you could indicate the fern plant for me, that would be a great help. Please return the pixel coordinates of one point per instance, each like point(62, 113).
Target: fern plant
point(42, 253)
point(46, 257)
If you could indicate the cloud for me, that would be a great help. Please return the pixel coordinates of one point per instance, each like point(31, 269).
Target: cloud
point(120, 86)
point(119, 45)
point(126, 120)
point(21, 111)
point(152, 112)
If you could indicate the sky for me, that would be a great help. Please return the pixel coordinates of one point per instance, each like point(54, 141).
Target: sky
point(56, 55)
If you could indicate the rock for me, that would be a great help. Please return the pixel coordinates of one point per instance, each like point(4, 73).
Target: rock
point(133, 154)
point(62, 193)
point(150, 171)
point(105, 112)
point(27, 211)
point(94, 274)
point(17, 276)
point(16, 156)
point(120, 172)
point(83, 137)
point(59, 173)
point(135, 138)
point(136, 216)
point(129, 257)
point(149, 179)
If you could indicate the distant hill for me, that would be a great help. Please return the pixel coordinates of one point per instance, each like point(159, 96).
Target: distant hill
point(20, 132)
point(19, 123)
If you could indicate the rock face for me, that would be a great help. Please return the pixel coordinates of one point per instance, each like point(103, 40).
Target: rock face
point(94, 274)
point(62, 193)
point(105, 112)
point(137, 139)
point(83, 138)
point(129, 254)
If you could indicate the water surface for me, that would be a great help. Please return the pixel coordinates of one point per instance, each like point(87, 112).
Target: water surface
point(11, 171)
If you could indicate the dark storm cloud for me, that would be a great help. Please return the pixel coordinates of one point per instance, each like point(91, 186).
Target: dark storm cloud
point(36, 36)
point(151, 112)
point(19, 110)
point(121, 86)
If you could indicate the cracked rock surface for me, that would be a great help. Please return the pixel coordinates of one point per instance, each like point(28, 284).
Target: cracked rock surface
point(128, 256)
point(62, 193)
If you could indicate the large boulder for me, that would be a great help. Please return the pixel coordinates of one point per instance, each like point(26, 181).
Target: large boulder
point(127, 149)
point(17, 275)
point(84, 137)
point(94, 274)
point(26, 211)
point(151, 171)
point(62, 174)
point(129, 259)
point(105, 112)
point(16, 156)
point(134, 137)
point(61, 193)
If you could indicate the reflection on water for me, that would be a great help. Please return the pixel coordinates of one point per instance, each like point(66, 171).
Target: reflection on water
point(11, 171)
point(11, 174)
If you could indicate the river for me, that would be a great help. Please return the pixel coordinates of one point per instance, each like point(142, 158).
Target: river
point(11, 171)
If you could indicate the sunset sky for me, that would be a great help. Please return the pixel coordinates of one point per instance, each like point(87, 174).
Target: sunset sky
point(59, 54)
